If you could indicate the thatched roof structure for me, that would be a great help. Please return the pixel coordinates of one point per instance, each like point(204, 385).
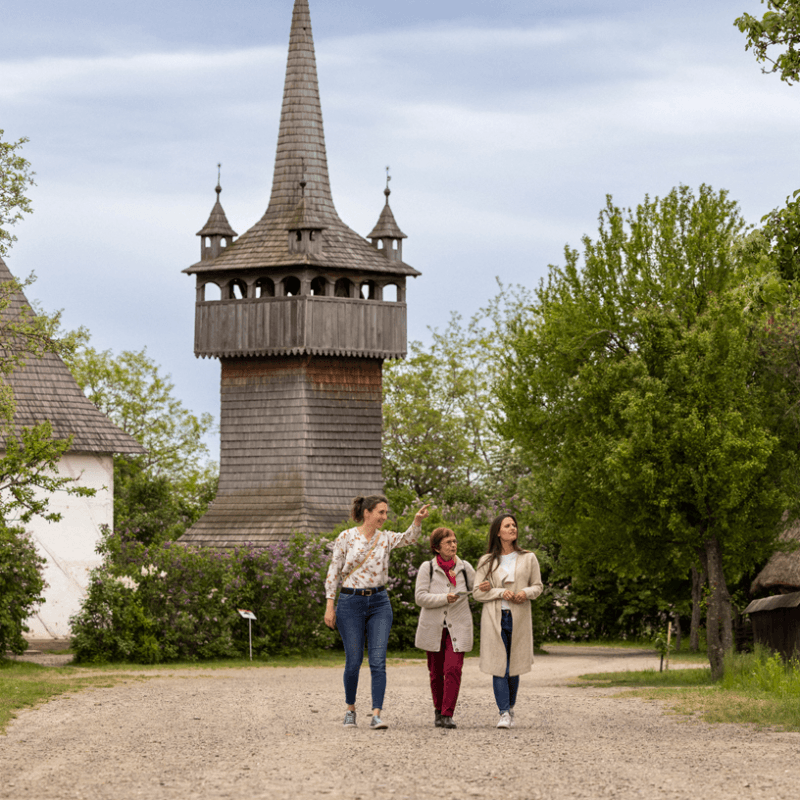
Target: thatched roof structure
point(782, 572)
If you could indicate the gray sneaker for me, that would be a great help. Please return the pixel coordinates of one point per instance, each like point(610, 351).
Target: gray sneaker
point(378, 724)
point(505, 720)
point(349, 719)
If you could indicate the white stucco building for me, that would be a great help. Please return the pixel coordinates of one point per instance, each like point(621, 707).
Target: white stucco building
point(44, 389)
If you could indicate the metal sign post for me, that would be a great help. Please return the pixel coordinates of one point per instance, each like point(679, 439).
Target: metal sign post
point(249, 616)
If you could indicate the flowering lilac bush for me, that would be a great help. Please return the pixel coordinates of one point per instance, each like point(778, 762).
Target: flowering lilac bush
point(21, 586)
point(168, 602)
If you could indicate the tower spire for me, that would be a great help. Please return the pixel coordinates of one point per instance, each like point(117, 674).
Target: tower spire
point(301, 154)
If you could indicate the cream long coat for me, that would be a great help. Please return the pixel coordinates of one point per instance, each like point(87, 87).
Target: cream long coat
point(431, 593)
point(527, 578)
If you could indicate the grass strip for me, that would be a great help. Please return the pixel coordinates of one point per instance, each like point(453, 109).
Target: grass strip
point(692, 693)
point(24, 685)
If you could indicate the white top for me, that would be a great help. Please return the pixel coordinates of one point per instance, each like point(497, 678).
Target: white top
point(361, 563)
point(509, 564)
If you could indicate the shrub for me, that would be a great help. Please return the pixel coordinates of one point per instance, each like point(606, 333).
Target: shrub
point(169, 602)
point(21, 586)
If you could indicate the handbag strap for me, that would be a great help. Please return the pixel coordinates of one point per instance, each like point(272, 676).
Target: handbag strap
point(363, 560)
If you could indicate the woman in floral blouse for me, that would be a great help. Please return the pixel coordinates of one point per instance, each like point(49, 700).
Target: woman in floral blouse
point(360, 565)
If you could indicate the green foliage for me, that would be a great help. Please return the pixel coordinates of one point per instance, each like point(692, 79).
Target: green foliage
point(157, 496)
point(635, 386)
point(21, 586)
point(778, 28)
point(782, 230)
point(15, 179)
point(762, 671)
point(131, 391)
point(439, 413)
point(156, 509)
point(169, 602)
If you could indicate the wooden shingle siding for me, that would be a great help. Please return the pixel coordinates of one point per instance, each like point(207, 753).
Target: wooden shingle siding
point(300, 437)
point(298, 325)
point(301, 372)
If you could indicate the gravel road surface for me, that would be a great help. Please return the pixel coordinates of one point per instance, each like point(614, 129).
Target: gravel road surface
point(277, 733)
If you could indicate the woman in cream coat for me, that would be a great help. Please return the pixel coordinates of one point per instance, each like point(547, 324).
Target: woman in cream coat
point(445, 622)
point(506, 628)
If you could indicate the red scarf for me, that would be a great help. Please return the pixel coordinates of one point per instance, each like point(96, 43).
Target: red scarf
point(447, 566)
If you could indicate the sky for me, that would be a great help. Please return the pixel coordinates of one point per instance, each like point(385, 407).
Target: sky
point(505, 125)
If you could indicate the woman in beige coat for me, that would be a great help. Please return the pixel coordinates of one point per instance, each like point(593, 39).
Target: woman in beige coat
point(506, 628)
point(444, 629)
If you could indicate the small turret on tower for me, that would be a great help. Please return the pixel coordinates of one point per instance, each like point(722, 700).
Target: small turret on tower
point(305, 228)
point(216, 234)
point(386, 236)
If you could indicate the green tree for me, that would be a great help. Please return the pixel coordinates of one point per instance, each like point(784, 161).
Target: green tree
point(15, 179)
point(439, 414)
point(160, 494)
point(778, 28)
point(635, 385)
point(132, 392)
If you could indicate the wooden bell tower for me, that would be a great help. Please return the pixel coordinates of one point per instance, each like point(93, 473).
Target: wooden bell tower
point(301, 329)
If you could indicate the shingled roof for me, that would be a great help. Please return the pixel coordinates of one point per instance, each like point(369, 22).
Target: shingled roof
point(782, 571)
point(44, 389)
point(386, 227)
point(217, 224)
point(301, 156)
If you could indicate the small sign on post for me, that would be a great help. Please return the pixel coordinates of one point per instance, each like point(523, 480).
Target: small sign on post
point(249, 616)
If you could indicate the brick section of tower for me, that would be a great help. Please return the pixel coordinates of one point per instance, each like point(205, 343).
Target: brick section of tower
point(300, 437)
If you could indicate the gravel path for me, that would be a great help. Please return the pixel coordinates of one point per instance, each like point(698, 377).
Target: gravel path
point(276, 733)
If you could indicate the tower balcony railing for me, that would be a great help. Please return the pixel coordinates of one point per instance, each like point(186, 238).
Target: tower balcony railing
point(303, 324)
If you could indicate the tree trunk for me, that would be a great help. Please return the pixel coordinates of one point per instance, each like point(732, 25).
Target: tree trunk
point(699, 578)
point(719, 630)
point(678, 632)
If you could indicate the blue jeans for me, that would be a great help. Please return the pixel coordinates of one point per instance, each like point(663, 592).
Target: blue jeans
point(357, 618)
point(505, 687)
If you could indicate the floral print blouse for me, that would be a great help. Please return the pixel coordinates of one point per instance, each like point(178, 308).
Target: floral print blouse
point(349, 551)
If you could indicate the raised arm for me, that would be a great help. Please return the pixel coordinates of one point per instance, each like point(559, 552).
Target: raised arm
point(413, 533)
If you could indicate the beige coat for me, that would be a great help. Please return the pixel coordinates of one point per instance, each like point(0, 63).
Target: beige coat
point(527, 578)
point(431, 593)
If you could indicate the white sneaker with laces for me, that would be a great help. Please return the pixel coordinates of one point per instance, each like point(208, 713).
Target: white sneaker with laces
point(505, 720)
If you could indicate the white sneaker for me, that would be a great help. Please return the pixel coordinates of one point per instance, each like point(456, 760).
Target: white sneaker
point(505, 720)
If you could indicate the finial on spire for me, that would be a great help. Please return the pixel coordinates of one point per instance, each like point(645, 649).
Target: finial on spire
point(303, 177)
point(219, 182)
point(387, 191)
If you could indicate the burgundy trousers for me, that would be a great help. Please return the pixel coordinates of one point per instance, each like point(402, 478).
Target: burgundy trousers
point(444, 668)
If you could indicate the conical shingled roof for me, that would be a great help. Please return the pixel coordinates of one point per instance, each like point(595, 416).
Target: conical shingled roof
point(217, 224)
point(44, 389)
point(387, 227)
point(304, 219)
point(782, 571)
point(300, 156)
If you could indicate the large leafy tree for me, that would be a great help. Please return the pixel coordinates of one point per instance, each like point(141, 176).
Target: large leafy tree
point(159, 494)
point(636, 385)
point(439, 413)
point(775, 37)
